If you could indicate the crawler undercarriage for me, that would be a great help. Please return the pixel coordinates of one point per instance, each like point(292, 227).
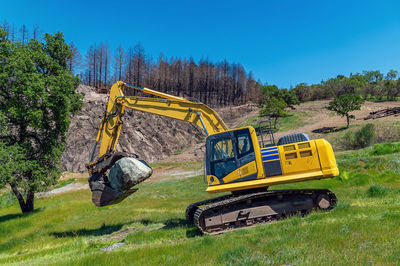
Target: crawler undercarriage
point(230, 212)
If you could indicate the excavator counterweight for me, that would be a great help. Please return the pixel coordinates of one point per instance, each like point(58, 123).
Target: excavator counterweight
point(235, 162)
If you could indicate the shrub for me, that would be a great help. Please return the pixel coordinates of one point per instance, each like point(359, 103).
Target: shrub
point(359, 139)
point(364, 137)
point(348, 140)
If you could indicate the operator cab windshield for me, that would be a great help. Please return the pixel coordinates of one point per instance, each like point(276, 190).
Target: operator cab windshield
point(228, 151)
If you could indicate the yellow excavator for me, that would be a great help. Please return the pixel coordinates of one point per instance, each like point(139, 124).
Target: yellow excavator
point(235, 161)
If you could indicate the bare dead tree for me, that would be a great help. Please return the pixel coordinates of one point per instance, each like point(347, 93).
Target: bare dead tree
point(119, 60)
point(37, 32)
point(74, 63)
point(24, 33)
point(216, 84)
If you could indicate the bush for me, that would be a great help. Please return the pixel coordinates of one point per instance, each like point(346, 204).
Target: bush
point(348, 140)
point(359, 139)
point(364, 137)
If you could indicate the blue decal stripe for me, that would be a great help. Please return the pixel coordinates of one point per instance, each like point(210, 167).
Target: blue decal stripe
point(271, 157)
point(269, 152)
point(268, 149)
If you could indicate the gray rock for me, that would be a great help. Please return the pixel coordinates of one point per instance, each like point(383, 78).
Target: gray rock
point(127, 172)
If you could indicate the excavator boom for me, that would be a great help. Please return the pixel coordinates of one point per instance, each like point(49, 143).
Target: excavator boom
point(168, 106)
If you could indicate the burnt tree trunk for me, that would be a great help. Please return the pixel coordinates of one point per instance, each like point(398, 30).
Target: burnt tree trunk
point(26, 206)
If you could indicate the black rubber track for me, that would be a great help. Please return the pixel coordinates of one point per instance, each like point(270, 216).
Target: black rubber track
point(222, 203)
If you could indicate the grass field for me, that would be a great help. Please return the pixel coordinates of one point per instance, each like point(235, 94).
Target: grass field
point(362, 229)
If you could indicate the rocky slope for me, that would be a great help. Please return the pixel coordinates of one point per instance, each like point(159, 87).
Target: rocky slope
point(149, 136)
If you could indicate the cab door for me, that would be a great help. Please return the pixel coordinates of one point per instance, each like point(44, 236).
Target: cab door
point(246, 157)
point(221, 156)
point(231, 157)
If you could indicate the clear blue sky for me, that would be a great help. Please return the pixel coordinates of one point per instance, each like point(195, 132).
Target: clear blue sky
point(283, 42)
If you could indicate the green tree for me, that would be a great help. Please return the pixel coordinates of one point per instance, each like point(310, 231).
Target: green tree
point(268, 92)
point(274, 109)
point(37, 95)
point(272, 91)
point(390, 89)
point(303, 92)
point(344, 104)
point(392, 74)
point(289, 97)
point(372, 76)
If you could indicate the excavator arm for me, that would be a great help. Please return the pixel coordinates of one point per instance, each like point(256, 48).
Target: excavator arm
point(168, 106)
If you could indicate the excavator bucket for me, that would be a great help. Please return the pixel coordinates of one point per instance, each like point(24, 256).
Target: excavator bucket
point(124, 173)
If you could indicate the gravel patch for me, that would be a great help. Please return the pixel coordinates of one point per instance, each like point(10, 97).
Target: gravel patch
point(67, 188)
point(112, 247)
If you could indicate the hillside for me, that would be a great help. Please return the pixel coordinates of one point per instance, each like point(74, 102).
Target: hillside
point(149, 136)
point(317, 121)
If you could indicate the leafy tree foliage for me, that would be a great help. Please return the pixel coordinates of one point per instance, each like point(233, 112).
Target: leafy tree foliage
point(370, 85)
point(344, 104)
point(289, 97)
point(274, 109)
point(37, 95)
point(373, 76)
point(272, 91)
point(275, 100)
point(392, 74)
point(269, 92)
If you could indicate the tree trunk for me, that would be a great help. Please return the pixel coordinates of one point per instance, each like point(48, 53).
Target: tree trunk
point(26, 206)
point(348, 120)
point(275, 119)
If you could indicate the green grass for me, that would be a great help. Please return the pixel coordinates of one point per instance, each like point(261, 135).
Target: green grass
point(363, 229)
point(187, 165)
point(177, 152)
point(295, 119)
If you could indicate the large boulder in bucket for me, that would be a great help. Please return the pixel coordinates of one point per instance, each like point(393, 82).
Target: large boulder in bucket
point(123, 175)
point(128, 172)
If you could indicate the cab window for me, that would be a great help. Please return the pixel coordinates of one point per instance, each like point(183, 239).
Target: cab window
point(244, 144)
point(222, 149)
point(222, 157)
